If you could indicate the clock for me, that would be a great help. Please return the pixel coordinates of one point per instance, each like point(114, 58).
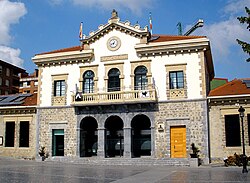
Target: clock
point(113, 43)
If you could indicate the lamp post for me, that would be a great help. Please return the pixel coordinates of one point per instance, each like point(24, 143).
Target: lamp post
point(241, 112)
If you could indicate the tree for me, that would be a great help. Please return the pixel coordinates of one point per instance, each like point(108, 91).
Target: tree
point(245, 46)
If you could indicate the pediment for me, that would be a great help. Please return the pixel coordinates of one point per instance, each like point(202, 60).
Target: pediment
point(114, 23)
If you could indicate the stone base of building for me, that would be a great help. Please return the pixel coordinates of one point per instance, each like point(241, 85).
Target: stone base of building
point(145, 161)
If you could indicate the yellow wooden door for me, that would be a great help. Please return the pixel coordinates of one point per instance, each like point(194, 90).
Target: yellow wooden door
point(178, 142)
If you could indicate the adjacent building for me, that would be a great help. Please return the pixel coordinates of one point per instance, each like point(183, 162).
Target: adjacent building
point(224, 121)
point(28, 82)
point(9, 78)
point(18, 126)
point(125, 93)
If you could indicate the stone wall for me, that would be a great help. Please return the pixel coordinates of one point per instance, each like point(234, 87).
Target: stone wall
point(218, 147)
point(57, 118)
point(190, 113)
point(16, 151)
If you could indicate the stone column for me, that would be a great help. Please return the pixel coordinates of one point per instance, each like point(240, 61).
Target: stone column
point(101, 143)
point(127, 142)
point(152, 141)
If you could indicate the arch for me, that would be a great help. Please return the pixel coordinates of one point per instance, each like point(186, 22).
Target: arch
point(114, 83)
point(114, 140)
point(140, 79)
point(88, 82)
point(141, 136)
point(88, 137)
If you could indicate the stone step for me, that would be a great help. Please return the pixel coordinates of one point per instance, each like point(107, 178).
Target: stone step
point(124, 161)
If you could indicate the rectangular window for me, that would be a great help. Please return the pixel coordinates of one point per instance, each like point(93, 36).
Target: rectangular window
point(7, 72)
point(7, 82)
point(176, 79)
point(232, 130)
point(1, 69)
point(10, 134)
point(59, 88)
point(24, 134)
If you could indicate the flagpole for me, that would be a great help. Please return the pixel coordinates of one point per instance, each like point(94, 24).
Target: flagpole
point(80, 31)
point(150, 23)
point(81, 35)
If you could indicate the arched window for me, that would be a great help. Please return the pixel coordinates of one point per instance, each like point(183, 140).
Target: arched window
point(114, 80)
point(88, 82)
point(141, 80)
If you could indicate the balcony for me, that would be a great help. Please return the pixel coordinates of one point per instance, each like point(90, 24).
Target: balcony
point(117, 97)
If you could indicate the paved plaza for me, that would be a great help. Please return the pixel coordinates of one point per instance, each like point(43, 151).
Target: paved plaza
point(26, 171)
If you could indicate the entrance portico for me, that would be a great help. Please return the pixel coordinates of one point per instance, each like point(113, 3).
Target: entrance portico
point(127, 135)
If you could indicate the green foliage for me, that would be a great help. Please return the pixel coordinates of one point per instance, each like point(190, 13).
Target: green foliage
point(195, 151)
point(42, 151)
point(235, 160)
point(245, 46)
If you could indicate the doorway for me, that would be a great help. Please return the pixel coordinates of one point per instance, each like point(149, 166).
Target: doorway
point(178, 142)
point(141, 136)
point(114, 140)
point(58, 142)
point(88, 137)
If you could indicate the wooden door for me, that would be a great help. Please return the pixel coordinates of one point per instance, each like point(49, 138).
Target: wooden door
point(178, 142)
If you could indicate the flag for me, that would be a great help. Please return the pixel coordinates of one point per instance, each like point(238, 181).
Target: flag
point(150, 22)
point(80, 32)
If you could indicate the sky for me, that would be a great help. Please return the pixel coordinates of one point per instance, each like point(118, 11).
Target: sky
point(29, 27)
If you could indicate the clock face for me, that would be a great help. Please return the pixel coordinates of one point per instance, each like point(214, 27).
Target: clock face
point(113, 43)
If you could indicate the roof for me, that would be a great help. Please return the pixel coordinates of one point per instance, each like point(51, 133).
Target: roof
point(163, 38)
point(234, 87)
point(154, 38)
point(216, 82)
point(18, 100)
point(19, 69)
point(74, 48)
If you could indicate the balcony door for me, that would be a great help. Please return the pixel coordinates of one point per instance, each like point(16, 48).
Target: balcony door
point(141, 80)
point(114, 80)
point(88, 82)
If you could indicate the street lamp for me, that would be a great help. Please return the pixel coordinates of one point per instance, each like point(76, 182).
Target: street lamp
point(241, 112)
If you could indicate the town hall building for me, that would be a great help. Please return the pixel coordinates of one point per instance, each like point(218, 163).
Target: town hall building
point(125, 93)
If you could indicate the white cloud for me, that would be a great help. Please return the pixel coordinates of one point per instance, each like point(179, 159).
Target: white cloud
point(223, 34)
point(11, 55)
point(135, 6)
point(236, 6)
point(10, 14)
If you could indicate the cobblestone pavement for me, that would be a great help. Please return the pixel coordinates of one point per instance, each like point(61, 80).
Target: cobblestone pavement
point(26, 171)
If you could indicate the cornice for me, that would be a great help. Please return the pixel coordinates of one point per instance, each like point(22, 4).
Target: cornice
point(16, 110)
point(63, 58)
point(172, 47)
point(229, 100)
point(126, 27)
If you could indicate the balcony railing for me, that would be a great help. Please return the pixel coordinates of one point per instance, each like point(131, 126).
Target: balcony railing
point(132, 96)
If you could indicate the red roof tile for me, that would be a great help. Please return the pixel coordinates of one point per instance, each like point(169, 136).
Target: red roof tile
point(163, 38)
point(30, 101)
point(74, 48)
point(159, 38)
point(234, 87)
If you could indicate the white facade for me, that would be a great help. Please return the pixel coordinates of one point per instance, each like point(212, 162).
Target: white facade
point(188, 52)
point(168, 96)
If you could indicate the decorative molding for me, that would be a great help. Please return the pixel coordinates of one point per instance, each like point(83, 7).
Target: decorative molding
point(10, 111)
point(114, 57)
point(63, 58)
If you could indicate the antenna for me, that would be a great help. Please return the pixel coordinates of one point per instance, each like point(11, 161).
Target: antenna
point(200, 23)
point(179, 28)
